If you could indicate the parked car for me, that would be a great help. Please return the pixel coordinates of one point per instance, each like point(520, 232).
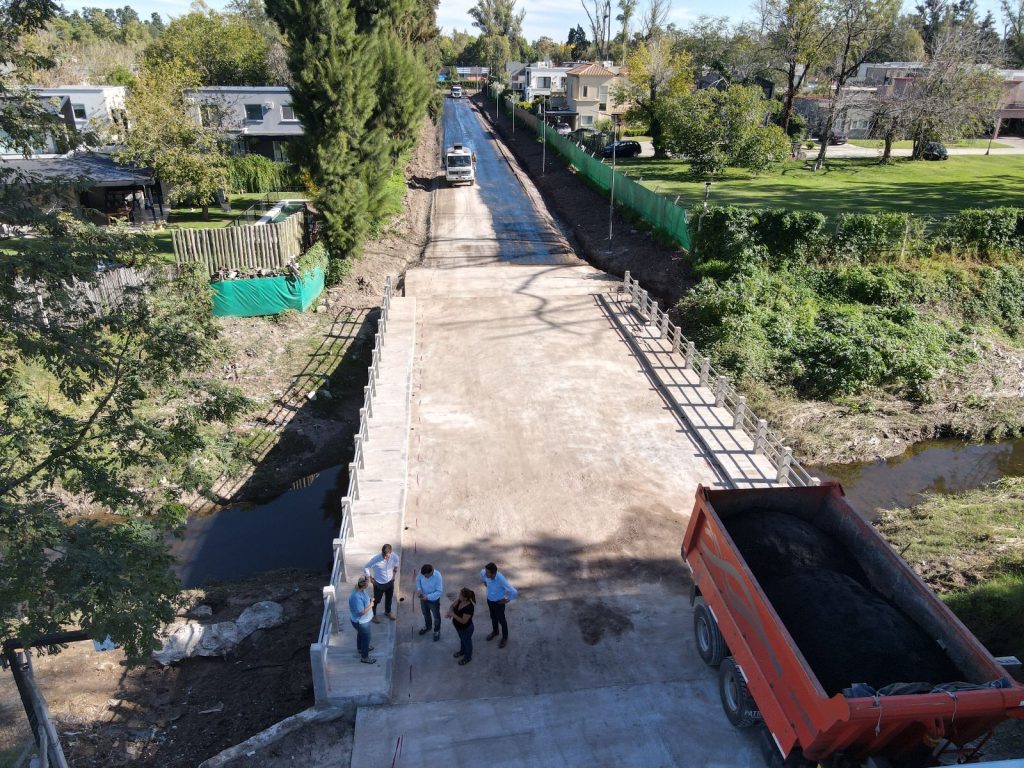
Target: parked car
point(934, 150)
point(622, 149)
point(837, 138)
point(563, 129)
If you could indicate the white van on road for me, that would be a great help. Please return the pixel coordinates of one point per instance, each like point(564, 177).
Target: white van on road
point(456, 91)
point(460, 164)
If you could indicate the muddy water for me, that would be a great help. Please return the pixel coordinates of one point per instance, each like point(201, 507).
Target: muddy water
point(932, 466)
point(292, 531)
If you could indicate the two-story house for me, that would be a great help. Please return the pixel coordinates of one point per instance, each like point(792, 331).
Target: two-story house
point(258, 119)
point(97, 109)
point(542, 78)
point(590, 94)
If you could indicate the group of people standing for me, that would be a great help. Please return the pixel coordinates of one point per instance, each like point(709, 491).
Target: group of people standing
point(382, 571)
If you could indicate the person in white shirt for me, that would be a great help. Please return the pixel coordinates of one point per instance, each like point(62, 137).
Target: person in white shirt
point(429, 588)
point(383, 569)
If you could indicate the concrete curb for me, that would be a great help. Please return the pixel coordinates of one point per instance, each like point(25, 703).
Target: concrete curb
point(276, 732)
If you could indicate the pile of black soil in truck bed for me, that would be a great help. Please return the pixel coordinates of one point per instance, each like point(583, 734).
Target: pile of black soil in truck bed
point(847, 632)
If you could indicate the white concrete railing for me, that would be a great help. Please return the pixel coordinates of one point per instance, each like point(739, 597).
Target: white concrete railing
point(330, 624)
point(788, 469)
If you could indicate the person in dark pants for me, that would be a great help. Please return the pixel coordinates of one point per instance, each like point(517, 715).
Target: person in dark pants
point(360, 607)
point(429, 588)
point(383, 569)
point(499, 594)
point(461, 614)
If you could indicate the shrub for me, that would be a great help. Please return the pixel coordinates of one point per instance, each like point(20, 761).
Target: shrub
point(790, 235)
point(876, 237)
point(337, 270)
point(725, 243)
point(986, 233)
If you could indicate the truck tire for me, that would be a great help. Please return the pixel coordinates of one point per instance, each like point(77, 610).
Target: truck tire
point(710, 643)
point(737, 702)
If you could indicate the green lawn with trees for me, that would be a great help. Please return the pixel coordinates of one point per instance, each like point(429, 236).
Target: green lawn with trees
point(849, 185)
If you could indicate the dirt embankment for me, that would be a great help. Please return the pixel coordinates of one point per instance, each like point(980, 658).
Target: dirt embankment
point(307, 370)
point(110, 715)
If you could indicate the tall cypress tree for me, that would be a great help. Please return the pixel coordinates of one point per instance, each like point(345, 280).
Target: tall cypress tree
point(333, 69)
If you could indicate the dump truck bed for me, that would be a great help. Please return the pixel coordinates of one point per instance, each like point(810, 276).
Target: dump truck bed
point(812, 582)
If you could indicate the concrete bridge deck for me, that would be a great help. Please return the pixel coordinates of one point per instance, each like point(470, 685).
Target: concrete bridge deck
point(540, 441)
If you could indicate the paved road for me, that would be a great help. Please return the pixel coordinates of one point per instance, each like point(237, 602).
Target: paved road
point(538, 442)
point(1015, 147)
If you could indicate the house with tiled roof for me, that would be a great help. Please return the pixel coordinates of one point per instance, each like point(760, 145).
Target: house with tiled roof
point(589, 90)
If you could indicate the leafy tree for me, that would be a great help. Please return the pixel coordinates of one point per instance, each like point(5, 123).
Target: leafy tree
point(627, 10)
point(656, 72)
point(599, 16)
point(221, 49)
point(578, 43)
point(501, 27)
point(183, 153)
point(90, 477)
point(954, 95)
point(798, 31)
point(718, 128)
point(861, 29)
point(1014, 17)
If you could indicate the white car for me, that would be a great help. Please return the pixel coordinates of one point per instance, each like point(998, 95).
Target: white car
point(456, 91)
point(563, 129)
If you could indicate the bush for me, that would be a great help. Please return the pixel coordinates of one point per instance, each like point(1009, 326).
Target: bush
point(337, 270)
point(790, 235)
point(876, 237)
point(315, 257)
point(985, 233)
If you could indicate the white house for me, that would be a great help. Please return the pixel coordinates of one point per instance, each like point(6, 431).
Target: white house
point(96, 108)
point(260, 119)
point(542, 78)
point(590, 95)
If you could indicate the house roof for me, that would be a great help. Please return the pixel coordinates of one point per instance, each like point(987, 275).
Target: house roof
point(591, 70)
point(93, 167)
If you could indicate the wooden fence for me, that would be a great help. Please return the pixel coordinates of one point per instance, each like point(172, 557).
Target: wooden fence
point(260, 246)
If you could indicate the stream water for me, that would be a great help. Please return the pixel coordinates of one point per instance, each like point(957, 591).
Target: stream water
point(932, 466)
point(294, 530)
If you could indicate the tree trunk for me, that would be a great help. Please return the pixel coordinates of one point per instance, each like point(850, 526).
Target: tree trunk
point(655, 125)
point(826, 134)
point(888, 148)
point(787, 102)
point(206, 211)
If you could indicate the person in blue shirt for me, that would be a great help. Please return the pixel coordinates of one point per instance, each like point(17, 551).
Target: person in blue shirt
point(429, 588)
point(360, 611)
point(499, 594)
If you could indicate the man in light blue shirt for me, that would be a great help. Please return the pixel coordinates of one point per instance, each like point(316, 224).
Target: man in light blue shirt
point(499, 594)
point(360, 611)
point(429, 588)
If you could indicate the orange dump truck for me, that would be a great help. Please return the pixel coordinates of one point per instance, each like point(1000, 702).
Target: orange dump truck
point(826, 636)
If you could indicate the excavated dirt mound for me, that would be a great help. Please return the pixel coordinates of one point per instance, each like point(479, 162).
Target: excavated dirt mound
point(847, 632)
point(776, 544)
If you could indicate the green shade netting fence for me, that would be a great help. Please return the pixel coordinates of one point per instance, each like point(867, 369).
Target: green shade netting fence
point(266, 295)
point(656, 210)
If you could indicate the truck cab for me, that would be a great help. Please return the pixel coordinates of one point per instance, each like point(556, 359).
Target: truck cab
point(460, 164)
point(456, 91)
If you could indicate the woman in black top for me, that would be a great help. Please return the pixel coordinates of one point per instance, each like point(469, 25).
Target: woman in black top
point(461, 614)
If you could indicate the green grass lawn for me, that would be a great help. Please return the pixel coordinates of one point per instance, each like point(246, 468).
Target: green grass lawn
point(850, 185)
point(962, 144)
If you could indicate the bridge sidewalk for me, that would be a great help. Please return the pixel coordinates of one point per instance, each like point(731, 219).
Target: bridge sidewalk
point(378, 513)
point(729, 448)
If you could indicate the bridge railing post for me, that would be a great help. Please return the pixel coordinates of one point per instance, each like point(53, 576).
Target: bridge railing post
point(318, 663)
point(762, 431)
point(677, 338)
point(705, 365)
point(740, 413)
point(665, 323)
point(691, 351)
point(720, 391)
point(784, 465)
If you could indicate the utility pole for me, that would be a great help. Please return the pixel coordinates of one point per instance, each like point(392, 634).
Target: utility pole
point(543, 136)
point(611, 204)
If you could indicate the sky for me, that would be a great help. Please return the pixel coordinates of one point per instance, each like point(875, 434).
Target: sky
point(551, 18)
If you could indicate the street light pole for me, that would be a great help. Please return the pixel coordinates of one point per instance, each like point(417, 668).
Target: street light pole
point(543, 137)
point(611, 203)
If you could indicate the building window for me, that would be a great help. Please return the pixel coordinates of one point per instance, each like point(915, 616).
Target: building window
point(254, 112)
point(543, 82)
point(860, 125)
point(602, 97)
point(586, 119)
point(585, 92)
point(287, 113)
point(79, 110)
